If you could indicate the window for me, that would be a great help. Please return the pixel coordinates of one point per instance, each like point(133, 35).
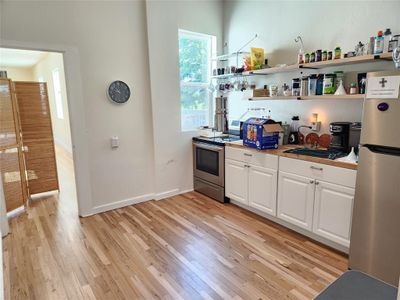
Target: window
point(195, 65)
point(57, 93)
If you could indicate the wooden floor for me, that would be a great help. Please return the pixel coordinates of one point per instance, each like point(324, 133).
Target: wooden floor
point(185, 247)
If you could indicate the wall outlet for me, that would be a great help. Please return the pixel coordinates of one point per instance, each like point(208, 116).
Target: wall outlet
point(316, 126)
point(114, 142)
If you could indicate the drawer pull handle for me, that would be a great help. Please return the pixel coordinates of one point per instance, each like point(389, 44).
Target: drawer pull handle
point(248, 154)
point(316, 168)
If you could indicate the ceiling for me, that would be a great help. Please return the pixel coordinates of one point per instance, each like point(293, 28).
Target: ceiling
point(20, 58)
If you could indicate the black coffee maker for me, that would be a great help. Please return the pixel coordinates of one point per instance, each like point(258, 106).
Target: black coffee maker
point(340, 132)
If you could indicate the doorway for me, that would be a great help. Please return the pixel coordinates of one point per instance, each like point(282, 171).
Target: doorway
point(38, 81)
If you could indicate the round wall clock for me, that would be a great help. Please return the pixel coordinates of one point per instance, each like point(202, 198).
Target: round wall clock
point(119, 91)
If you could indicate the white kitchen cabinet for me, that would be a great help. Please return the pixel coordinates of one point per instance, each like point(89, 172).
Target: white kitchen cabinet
point(262, 189)
point(251, 178)
point(236, 180)
point(296, 199)
point(333, 209)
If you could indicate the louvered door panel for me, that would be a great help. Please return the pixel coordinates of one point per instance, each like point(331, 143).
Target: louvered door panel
point(37, 136)
point(12, 169)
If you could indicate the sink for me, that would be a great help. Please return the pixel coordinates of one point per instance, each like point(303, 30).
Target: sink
point(329, 154)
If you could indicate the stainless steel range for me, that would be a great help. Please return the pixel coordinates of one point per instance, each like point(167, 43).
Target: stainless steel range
point(209, 166)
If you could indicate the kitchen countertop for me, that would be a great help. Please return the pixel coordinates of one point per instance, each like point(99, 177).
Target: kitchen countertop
point(281, 149)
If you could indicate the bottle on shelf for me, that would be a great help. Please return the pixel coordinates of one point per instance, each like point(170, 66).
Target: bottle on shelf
point(387, 37)
point(379, 43)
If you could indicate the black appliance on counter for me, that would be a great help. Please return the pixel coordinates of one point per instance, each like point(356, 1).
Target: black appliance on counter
point(344, 136)
point(209, 166)
point(340, 136)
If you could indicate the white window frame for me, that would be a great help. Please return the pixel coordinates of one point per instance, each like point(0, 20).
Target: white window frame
point(58, 101)
point(211, 65)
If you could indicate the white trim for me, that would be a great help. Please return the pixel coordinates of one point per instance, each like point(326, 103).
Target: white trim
point(63, 145)
point(166, 194)
point(171, 193)
point(16, 212)
point(76, 108)
point(121, 203)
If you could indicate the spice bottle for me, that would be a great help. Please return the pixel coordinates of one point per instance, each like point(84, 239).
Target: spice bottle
point(330, 56)
point(306, 58)
point(312, 57)
point(318, 55)
point(324, 55)
point(338, 53)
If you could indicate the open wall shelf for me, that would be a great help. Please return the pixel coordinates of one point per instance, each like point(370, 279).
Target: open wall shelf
point(324, 64)
point(322, 97)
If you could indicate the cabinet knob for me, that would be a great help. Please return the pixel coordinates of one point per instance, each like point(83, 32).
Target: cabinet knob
point(316, 183)
point(311, 181)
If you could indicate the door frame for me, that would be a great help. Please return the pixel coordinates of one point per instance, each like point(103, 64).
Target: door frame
point(76, 108)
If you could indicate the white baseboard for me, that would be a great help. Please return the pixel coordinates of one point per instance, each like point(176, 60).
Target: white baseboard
point(119, 204)
point(135, 200)
point(171, 193)
point(166, 194)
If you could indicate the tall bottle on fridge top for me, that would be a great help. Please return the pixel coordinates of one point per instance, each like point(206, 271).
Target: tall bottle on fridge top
point(379, 43)
point(387, 37)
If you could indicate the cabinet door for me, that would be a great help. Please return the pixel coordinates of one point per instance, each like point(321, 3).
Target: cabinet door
point(296, 199)
point(262, 189)
point(333, 210)
point(236, 180)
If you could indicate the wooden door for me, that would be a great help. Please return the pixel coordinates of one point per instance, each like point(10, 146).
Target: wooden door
point(12, 167)
point(296, 199)
point(262, 189)
point(37, 136)
point(236, 181)
point(333, 211)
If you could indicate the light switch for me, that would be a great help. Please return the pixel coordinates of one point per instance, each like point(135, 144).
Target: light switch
point(114, 142)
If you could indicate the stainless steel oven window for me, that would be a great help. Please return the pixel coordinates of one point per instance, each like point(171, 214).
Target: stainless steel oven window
point(207, 161)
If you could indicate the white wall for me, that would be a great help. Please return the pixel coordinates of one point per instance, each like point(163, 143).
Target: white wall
point(173, 148)
point(44, 69)
point(323, 25)
point(19, 74)
point(111, 41)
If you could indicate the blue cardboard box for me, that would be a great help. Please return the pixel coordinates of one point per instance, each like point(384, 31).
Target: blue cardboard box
point(261, 133)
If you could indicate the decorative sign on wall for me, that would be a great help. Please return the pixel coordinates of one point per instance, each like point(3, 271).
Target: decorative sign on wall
point(119, 92)
point(385, 87)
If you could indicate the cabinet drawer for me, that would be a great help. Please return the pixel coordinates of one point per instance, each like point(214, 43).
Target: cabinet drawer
point(317, 171)
point(253, 157)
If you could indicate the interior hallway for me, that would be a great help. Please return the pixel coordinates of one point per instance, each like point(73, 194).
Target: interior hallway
point(185, 247)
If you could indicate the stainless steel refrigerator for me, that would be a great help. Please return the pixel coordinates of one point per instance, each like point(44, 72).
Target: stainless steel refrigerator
point(375, 234)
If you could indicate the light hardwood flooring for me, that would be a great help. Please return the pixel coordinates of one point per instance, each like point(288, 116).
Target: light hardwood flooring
point(184, 247)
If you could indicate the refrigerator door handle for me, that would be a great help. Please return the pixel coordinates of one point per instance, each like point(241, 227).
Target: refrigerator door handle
point(383, 150)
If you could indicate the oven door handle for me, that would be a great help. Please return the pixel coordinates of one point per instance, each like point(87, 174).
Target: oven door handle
point(208, 147)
